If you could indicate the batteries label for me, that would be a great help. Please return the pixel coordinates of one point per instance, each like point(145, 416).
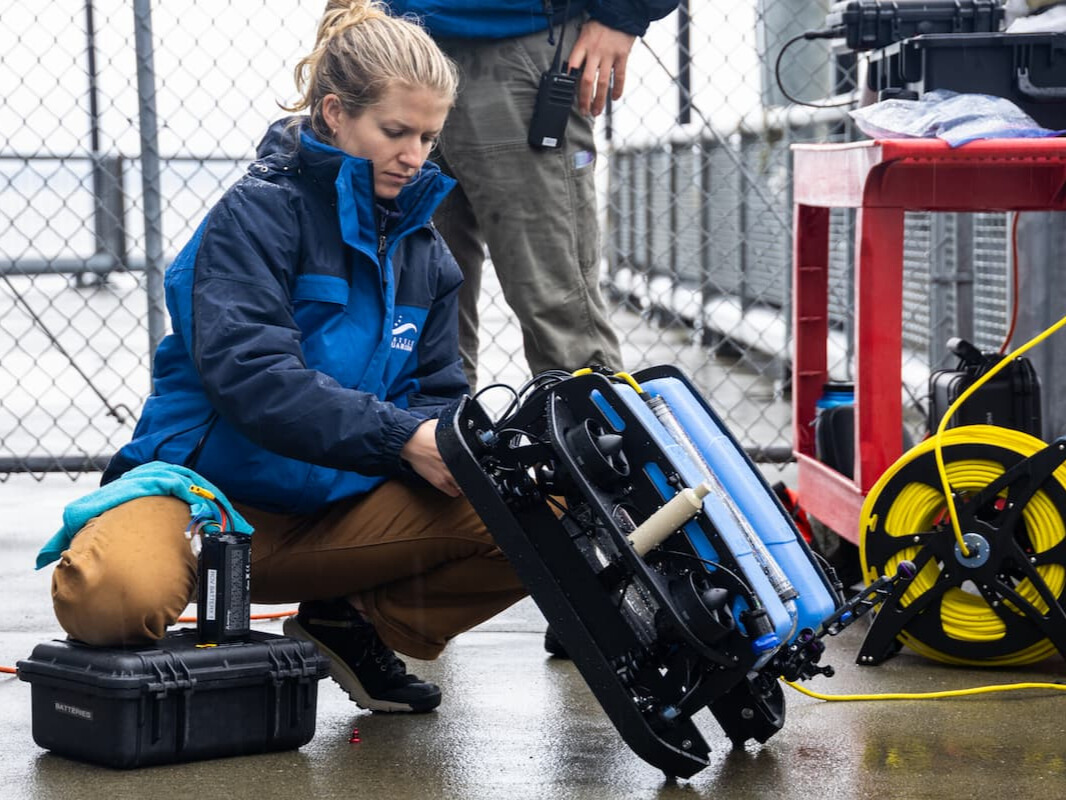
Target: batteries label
point(211, 612)
point(224, 598)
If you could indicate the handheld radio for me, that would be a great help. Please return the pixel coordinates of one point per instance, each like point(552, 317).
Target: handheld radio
point(555, 98)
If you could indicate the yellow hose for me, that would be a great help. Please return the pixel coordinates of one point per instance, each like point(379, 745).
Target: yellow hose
point(936, 695)
point(917, 507)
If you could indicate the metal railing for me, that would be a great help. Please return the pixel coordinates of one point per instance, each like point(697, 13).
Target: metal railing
point(122, 124)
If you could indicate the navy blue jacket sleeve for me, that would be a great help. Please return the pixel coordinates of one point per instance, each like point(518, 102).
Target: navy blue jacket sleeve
point(630, 16)
point(246, 346)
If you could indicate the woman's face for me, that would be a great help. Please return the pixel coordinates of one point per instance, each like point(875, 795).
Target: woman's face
point(396, 134)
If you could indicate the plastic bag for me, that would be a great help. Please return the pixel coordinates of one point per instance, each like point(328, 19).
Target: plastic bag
point(952, 116)
point(1034, 17)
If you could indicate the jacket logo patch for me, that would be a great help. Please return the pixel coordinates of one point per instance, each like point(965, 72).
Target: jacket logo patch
point(404, 335)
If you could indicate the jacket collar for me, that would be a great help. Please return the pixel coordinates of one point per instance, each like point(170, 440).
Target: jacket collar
point(354, 182)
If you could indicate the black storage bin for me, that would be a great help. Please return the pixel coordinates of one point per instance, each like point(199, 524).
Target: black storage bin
point(173, 701)
point(834, 438)
point(1029, 69)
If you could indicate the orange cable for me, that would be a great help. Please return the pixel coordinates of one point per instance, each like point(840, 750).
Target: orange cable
point(271, 615)
point(1014, 280)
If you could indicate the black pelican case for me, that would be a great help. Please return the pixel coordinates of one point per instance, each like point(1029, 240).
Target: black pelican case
point(1029, 69)
point(174, 701)
point(870, 24)
point(1011, 399)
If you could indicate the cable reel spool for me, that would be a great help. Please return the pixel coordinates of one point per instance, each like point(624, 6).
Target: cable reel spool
point(997, 601)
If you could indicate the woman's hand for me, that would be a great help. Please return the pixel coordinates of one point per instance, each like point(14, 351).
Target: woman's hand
point(422, 454)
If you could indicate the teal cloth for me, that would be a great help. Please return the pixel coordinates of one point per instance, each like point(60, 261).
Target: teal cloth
point(153, 478)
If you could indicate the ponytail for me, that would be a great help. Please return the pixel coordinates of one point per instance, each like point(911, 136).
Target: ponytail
point(360, 52)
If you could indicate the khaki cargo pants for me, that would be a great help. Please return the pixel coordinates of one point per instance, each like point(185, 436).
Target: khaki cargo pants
point(534, 209)
point(420, 564)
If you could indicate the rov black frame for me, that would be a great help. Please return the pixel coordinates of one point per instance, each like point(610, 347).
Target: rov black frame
point(657, 637)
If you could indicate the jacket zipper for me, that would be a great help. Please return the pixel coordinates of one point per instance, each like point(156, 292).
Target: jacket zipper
point(382, 247)
point(383, 239)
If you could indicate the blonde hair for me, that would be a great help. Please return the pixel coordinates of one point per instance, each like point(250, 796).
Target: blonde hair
point(360, 52)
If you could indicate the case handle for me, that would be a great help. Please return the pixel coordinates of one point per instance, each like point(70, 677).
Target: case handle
point(1034, 92)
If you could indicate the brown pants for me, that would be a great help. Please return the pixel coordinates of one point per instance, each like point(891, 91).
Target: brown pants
point(420, 564)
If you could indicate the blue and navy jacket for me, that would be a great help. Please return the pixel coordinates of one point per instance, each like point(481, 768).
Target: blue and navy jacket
point(313, 331)
point(503, 19)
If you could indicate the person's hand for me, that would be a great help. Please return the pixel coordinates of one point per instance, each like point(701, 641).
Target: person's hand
point(422, 454)
point(600, 50)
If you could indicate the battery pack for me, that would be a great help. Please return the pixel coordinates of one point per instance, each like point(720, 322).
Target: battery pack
point(176, 700)
point(224, 596)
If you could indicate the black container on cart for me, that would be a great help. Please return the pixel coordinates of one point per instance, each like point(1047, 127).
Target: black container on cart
point(175, 700)
point(869, 24)
point(1029, 69)
point(1011, 399)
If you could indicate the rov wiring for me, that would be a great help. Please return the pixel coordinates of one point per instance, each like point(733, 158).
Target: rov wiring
point(625, 376)
point(514, 396)
point(517, 395)
point(255, 617)
point(1014, 284)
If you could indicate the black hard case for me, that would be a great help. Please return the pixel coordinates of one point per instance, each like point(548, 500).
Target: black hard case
point(869, 24)
point(1011, 399)
point(1029, 69)
point(173, 701)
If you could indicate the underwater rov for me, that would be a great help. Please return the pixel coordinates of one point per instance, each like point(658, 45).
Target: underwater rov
point(657, 552)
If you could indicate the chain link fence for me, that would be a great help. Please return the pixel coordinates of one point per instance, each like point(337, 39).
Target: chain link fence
point(122, 123)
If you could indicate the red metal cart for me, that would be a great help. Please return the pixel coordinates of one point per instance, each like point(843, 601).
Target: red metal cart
point(883, 179)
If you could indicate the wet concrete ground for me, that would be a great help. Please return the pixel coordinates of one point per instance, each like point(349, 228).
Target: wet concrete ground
point(516, 723)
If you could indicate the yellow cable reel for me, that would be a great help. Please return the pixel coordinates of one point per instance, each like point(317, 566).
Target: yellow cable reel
point(997, 601)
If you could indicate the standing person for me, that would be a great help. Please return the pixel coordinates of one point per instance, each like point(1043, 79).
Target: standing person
point(535, 209)
point(314, 343)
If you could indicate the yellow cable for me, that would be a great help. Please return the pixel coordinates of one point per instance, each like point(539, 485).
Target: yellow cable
point(1006, 687)
point(631, 381)
point(625, 376)
point(962, 398)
